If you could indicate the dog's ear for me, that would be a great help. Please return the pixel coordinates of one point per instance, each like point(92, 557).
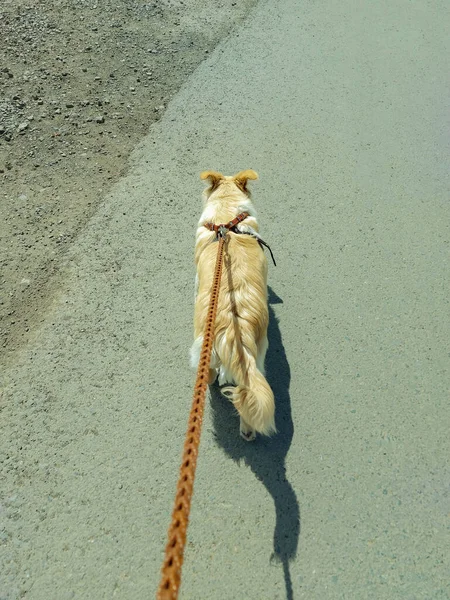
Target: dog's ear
point(242, 178)
point(213, 176)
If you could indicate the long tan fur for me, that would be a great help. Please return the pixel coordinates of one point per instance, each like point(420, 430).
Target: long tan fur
point(240, 342)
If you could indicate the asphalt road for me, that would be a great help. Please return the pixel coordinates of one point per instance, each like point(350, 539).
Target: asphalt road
point(343, 109)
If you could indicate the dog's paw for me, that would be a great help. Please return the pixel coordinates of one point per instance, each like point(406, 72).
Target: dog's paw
point(247, 432)
point(248, 436)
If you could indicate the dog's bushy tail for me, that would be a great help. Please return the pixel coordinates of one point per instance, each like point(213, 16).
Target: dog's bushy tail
point(254, 402)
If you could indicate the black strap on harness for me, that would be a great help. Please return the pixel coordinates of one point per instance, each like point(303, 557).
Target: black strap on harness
point(259, 240)
point(263, 243)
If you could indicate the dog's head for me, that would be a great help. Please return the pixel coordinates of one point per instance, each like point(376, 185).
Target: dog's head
point(228, 183)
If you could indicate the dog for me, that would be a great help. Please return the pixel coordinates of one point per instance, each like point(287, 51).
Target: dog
point(240, 340)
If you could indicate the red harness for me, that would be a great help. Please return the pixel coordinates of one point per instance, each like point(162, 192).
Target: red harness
point(230, 226)
point(222, 229)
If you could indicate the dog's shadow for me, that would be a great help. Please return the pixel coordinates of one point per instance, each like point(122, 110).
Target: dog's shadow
point(266, 456)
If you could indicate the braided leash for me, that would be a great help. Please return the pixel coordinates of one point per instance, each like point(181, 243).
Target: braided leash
point(173, 560)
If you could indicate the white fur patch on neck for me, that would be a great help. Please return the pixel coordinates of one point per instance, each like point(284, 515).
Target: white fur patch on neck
point(209, 212)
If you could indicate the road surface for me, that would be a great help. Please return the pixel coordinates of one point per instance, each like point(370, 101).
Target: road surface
point(343, 109)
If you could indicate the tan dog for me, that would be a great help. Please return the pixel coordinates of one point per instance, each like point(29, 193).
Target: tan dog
point(240, 341)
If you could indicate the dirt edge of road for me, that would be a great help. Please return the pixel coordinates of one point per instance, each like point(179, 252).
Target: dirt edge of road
point(80, 85)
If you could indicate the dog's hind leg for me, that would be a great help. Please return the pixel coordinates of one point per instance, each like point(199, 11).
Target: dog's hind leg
point(224, 376)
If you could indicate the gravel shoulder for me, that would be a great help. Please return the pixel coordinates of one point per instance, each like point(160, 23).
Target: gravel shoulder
point(81, 82)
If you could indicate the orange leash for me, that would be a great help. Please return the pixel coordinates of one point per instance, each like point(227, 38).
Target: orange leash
point(173, 560)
